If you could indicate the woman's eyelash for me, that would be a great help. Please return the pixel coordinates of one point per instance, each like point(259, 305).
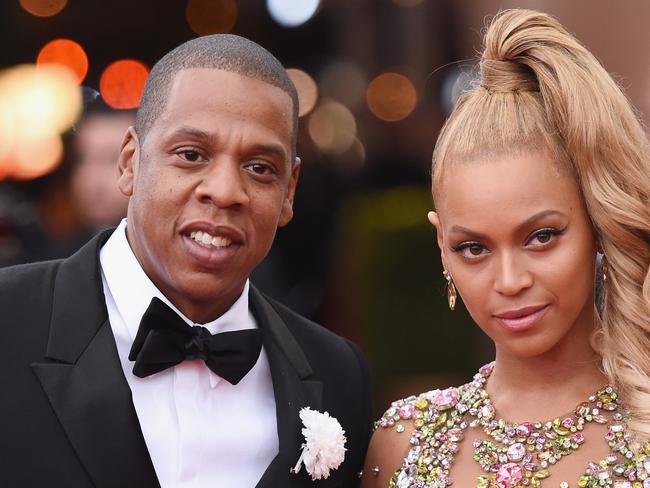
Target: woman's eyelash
point(465, 245)
point(459, 248)
point(550, 231)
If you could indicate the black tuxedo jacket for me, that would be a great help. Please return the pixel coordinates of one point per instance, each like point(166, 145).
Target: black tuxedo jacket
point(66, 414)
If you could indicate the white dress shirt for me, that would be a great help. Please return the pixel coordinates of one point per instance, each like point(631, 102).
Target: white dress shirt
point(200, 430)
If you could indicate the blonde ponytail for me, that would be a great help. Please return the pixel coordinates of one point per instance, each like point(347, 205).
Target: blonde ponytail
point(541, 90)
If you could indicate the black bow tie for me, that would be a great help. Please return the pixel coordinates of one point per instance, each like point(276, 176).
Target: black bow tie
point(164, 340)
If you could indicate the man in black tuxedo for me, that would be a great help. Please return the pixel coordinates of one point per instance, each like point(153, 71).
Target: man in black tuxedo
point(108, 379)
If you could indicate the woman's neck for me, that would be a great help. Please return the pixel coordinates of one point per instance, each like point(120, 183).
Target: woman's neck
point(545, 386)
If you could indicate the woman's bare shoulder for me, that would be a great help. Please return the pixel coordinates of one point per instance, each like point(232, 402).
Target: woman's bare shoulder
point(395, 435)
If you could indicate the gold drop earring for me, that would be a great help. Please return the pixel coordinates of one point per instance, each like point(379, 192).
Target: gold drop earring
point(451, 290)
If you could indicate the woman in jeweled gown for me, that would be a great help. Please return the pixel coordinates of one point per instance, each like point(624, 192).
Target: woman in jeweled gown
point(540, 166)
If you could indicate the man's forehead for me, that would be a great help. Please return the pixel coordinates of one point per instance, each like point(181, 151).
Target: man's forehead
point(221, 77)
point(200, 90)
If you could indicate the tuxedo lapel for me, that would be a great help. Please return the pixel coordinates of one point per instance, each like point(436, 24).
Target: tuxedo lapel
point(85, 383)
point(294, 387)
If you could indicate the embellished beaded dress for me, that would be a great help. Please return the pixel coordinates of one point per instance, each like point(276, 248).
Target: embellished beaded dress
point(511, 455)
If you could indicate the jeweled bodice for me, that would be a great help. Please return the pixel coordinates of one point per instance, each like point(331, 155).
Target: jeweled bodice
point(511, 455)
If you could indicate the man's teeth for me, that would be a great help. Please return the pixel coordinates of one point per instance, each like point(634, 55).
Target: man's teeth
point(207, 240)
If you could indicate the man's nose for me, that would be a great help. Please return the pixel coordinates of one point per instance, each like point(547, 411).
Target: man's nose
point(512, 275)
point(222, 184)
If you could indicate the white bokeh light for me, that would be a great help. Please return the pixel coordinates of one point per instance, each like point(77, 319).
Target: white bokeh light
point(292, 13)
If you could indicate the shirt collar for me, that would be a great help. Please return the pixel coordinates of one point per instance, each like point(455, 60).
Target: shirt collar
point(132, 289)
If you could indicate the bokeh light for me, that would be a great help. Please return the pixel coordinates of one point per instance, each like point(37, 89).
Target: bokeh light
point(332, 127)
point(42, 101)
point(211, 16)
point(43, 8)
point(344, 81)
point(35, 158)
point(292, 13)
point(122, 82)
point(306, 88)
point(7, 131)
point(391, 97)
point(457, 81)
point(37, 103)
point(65, 52)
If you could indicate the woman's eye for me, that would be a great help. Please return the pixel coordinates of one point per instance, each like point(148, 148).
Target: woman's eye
point(543, 237)
point(470, 250)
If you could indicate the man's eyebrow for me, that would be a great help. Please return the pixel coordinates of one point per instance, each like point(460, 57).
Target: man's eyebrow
point(526, 223)
point(190, 131)
point(273, 149)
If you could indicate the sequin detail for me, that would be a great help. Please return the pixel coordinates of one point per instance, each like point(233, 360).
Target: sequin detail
point(512, 455)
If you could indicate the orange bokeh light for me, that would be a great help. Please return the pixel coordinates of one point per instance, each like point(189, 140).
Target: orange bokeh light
point(306, 88)
point(211, 16)
point(7, 131)
point(36, 105)
point(391, 97)
point(43, 8)
point(36, 158)
point(122, 82)
point(65, 52)
point(332, 127)
point(39, 101)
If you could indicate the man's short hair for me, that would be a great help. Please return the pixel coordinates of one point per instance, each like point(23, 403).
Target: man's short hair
point(227, 52)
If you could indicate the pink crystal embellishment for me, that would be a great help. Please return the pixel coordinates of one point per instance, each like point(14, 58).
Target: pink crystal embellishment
point(406, 411)
point(524, 429)
point(509, 475)
point(516, 452)
point(567, 422)
point(445, 398)
point(486, 370)
point(578, 438)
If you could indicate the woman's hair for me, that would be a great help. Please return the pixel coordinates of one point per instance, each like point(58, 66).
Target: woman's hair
point(541, 91)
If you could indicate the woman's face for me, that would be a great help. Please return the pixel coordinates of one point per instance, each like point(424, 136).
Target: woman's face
point(516, 238)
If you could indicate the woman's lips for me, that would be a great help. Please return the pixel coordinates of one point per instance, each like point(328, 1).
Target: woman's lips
point(521, 319)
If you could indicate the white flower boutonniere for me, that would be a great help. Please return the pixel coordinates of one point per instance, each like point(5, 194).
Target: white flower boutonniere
point(323, 448)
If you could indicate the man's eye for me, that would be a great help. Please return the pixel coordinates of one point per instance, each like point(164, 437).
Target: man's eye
point(260, 168)
point(191, 156)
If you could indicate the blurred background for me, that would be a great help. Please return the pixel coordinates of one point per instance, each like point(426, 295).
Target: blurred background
point(376, 79)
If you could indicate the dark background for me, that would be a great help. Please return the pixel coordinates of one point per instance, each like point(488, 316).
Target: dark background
point(360, 256)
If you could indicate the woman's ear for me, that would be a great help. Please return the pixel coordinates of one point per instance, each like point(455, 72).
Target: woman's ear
point(440, 236)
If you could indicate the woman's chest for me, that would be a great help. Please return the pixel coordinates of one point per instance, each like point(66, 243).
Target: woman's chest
point(520, 464)
point(455, 448)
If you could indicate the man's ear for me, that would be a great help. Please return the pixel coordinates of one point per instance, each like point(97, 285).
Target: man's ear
point(440, 236)
point(127, 162)
point(286, 213)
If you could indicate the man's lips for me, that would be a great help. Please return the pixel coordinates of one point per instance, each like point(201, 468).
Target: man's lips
point(211, 245)
point(522, 318)
point(218, 231)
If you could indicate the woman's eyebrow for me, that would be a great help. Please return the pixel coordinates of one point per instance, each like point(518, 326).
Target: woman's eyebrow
point(459, 229)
